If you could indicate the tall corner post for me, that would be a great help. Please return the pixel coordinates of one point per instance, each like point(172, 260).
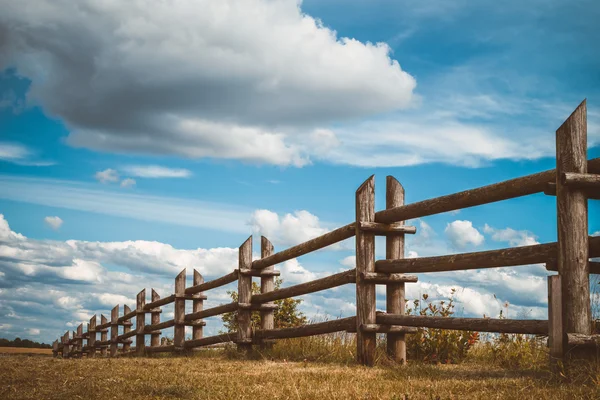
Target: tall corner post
point(572, 214)
point(197, 306)
point(92, 337)
point(126, 328)
point(114, 331)
point(79, 340)
point(140, 323)
point(179, 312)
point(244, 342)
point(395, 292)
point(267, 284)
point(103, 335)
point(155, 319)
point(365, 262)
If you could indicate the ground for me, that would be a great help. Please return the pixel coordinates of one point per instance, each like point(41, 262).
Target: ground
point(215, 377)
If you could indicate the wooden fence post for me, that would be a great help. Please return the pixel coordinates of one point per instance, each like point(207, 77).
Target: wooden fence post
point(244, 342)
point(140, 323)
point(92, 337)
point(365, 262)
point(66, 346)
point(80, 340)
point(179, 315)
point(103, 335)
point(198, 305)
point(126, 327)
point(155, 319)
point(114, 331)
point(395, 292)
point(267, 284)
point(571, 156)
point(557, 336)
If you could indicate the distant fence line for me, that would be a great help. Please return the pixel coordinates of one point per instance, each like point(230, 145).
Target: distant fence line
point(573, 182)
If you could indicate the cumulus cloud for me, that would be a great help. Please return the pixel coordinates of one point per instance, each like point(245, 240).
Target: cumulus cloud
point(109, 175)
point(231, 79)
point(157, 171)
point(462, 233)
point(53, 222)
point(513, 237)
point(290, 229)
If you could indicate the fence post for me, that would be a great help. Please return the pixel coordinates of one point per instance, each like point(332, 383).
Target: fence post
point(80, 340)
point(66, 347)
point(92, 337)
point(155, 319)
point(55, 348)
point(179, 315)
point(126, 327)
point(114, 331)
point(267, 284)
point(103, 335)
point(140, 322)
point(198, 305)
point(395, 292)
point(365, 262)
point(244, 342)
point(572, 214)
point(557, 336)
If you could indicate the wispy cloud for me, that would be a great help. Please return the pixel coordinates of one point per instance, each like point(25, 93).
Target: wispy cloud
point(156, 171)
point(20, 154)
point(87, 197)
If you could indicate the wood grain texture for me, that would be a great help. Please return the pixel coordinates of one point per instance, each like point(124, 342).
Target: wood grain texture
point(210, 340)
point(381, 278)
point(336, 325)
point(159, 302)
point(140, 322)
point(580, 180)
point(395, 292)
point(103, 334)
point(557, 335)
point(571, 204)
point(127, 328)
point(154, 319)
point(527, 326)
point(365, 262)
point(593, 266)
point(395, 228)
point(224, 280)
point(534, 254)
point(179, 312)
point(518, 187)
point(578, 339)
point(309, 246)
point(317, 285)
point(114, 331)
point(92, 337)
point(244, 296)
point(197, 306)
point(267, 285)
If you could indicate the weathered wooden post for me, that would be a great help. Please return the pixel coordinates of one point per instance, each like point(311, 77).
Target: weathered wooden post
point(55, 348)
point(395, 292)
point(114, 331)
point(179, 314)
point(79, 340)
point(244, 340)
point(92, 337)
point(267, 284)
point(557, 336)
point(126, 328)
point(197, 306)
point(103, 335)
point(571, 156)
point(155, 319)
point(365, 263)
point(66, 346)
point(140, 323)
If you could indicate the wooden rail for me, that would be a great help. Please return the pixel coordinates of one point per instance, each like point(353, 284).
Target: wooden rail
point(574, 181)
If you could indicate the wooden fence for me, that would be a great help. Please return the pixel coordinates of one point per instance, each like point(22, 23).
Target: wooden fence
point(574, 180)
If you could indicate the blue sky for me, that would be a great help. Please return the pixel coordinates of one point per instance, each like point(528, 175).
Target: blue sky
point(161, 137)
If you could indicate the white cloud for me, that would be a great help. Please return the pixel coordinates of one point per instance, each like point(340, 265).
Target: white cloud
point(107, 176)
point(111, 299)
point(33, 331)
point(251, 80)
point(597, 233)
point(53, 222)
point(462, 233)
point(513, 237)
point(349, 262)
point(412, 254)
point(19, 154)
point(5, 327)
point(291, 229)
point(293, 273)
point(127, 183)
point(157, 171)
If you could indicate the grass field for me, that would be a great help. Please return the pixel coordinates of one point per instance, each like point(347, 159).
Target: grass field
point(217, 377)
point(23, 350)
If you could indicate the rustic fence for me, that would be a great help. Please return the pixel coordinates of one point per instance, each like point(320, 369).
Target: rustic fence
point(574, 180)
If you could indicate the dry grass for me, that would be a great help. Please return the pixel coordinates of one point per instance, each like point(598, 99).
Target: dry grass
point(23, 350)
point(204, 376)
